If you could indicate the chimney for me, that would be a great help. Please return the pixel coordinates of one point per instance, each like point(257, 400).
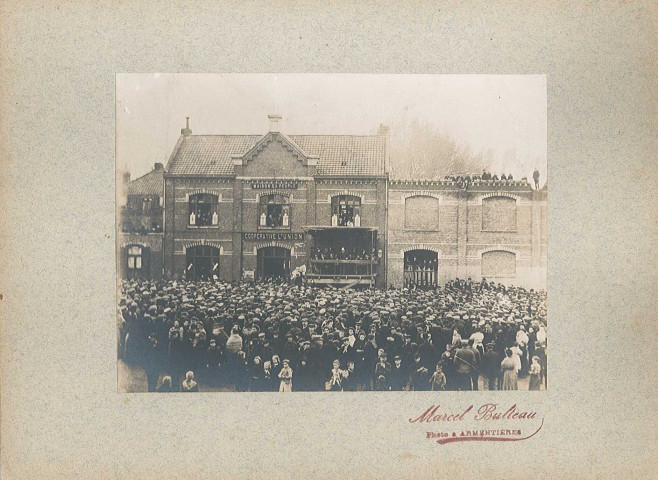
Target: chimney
point(158, 166)
point(186, 132)
point(385, 131)
point(274, 122)
point(126, 178)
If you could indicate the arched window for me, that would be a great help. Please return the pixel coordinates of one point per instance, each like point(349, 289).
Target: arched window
point(421, 268)
point(499, 214)
point(274, 211)
point(203, 210)
point(345, 211)
point(421, 212)
point(202, 262)
point(498, 263)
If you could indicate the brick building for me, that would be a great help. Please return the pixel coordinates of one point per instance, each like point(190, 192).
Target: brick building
point(256, 206)
point(139, 246)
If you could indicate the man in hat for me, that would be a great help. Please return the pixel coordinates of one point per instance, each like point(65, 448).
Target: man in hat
point(291, 349)
point(465, 364)
point(382, 367)
point(370, 359)
point(398, 377)
point(349, 378)
point(490, 367)
point(427, 352)
point(213, 361)
point(152, 362)
point(420, 378)
point(346, 352)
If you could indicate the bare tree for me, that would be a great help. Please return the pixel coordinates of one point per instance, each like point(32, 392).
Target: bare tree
point(420, 151)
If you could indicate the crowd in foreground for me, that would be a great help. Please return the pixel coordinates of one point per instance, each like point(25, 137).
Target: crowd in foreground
point(274, 336)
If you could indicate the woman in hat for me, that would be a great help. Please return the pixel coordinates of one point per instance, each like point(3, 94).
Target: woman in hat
point(509, 370)
point(286, 377)
point(189, 385)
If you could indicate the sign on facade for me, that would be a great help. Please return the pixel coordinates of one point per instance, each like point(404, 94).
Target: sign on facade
point(270, 236)
point(275, 185)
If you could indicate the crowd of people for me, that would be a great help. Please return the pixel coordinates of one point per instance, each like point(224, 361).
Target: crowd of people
point(338, 253)
point(341, 253)
point(464, 181)
point(288, 337)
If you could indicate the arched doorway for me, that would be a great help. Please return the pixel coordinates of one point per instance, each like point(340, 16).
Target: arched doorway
point(202, 263)
point(421, 269)
point(273, 262)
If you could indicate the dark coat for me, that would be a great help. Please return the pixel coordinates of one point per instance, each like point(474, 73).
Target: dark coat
point(397, 378)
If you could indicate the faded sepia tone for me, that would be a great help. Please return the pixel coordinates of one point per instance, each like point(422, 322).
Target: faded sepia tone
point(61, 415)
point(361, 257)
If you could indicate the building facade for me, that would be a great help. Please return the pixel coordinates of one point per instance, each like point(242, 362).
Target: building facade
point(259, 206)
point(238, 207)
point(439, 230)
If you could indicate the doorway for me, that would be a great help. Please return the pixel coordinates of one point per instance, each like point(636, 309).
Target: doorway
point(202, 263)
point(421, 269)
point(273, 263)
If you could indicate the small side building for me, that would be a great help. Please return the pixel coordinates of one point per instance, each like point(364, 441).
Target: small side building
point(139, 252)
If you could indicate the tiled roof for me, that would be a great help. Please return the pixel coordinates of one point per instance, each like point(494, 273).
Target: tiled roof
point(149, 184)
point(338, 154)
point(209, 154)
point(346, 154)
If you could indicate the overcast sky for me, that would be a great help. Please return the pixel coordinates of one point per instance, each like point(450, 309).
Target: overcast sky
point(504, 113)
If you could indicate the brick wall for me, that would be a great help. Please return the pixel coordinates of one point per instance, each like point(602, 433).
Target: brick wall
point(498, 264)
point(499, 214)
point(421, 213)
point(275, 160)
point(471, 223)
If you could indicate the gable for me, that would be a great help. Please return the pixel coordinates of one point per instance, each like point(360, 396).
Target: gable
point(274, 156)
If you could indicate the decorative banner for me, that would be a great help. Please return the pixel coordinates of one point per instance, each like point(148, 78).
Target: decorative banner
point(275, 184)
point(281, 236)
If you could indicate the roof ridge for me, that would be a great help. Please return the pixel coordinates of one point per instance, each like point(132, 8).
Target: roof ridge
point(287, 134)
point(227, 135)
point(140, 177)
point(334, 135)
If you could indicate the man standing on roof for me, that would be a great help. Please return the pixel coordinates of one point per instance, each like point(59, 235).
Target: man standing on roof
point(535, 177)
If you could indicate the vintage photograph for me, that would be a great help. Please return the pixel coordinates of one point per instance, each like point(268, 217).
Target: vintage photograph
point(331, 232)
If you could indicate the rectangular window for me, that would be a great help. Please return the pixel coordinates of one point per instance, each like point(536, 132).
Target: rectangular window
point(203, 210)
point(274, 211)
point(345, 211)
